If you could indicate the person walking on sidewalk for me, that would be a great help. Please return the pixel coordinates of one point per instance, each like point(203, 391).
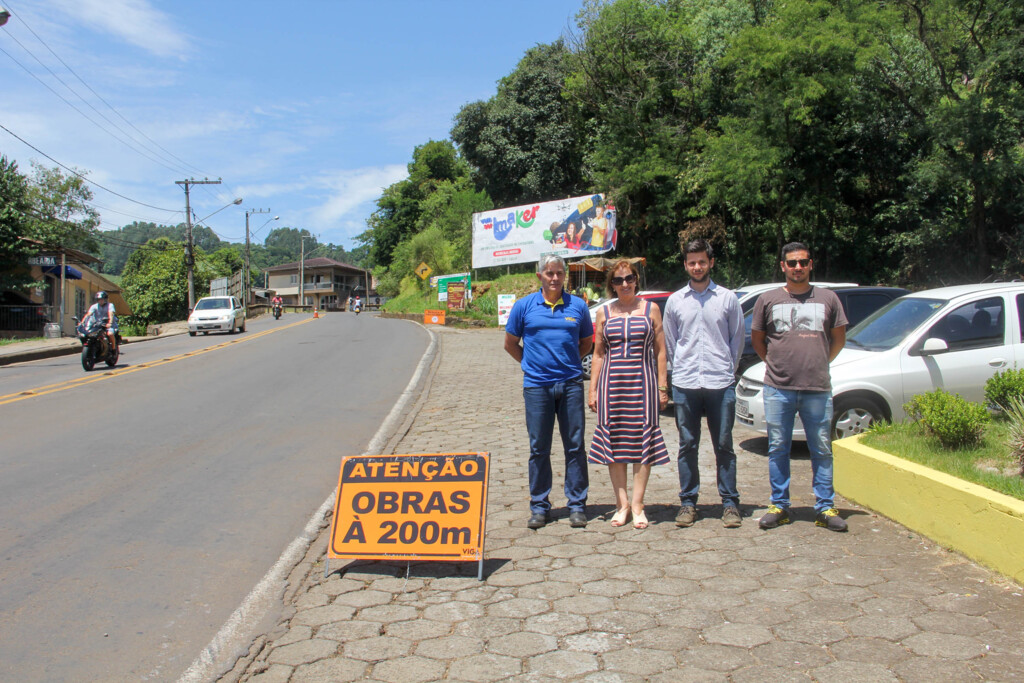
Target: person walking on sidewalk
point(548, 332)
point(797, 330)
point(627, 390)
point(704, 340)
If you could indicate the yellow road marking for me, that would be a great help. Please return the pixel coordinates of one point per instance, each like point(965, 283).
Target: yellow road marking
point(82, 381)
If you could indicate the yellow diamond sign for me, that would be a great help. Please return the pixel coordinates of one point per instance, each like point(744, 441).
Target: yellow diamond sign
point(423, 270)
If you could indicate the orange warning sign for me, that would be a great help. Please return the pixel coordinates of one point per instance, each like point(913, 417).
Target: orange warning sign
point(417, 507)
point(433, 317)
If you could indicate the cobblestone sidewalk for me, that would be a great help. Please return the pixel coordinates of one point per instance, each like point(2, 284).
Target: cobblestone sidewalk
point(797, 603)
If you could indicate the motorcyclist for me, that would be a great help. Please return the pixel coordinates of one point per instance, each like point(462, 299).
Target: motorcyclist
point(357, 305)
point(277, 302)
point(103, 311)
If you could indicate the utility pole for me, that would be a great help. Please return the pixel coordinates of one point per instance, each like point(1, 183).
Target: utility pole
point(302, 265)
point(247, 214)
point(190, 260)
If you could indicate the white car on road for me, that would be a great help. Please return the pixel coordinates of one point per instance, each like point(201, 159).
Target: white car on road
point(953, 338)
point(217, 314)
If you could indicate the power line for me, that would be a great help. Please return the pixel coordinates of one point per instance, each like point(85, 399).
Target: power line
point(98, 96)
point(70, 170)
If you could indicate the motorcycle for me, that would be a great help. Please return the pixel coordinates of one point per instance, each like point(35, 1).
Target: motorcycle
point(96, 345)
point(277, 311)
point(357, 306)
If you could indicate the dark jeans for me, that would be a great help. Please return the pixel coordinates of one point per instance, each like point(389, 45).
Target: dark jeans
point(564, 401)
point(720, 407)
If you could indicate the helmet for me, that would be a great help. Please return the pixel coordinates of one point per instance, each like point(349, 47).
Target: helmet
point(101, 297)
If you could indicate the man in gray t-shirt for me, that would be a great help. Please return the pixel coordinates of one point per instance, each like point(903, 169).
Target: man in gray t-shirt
point(797, 330)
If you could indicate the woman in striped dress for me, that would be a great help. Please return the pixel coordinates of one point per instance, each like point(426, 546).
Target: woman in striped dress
point(628, 388)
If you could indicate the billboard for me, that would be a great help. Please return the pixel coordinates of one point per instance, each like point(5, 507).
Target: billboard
point(578, 226)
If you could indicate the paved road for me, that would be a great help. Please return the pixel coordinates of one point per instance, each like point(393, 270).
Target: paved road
point(798, 603)
point(138, 509)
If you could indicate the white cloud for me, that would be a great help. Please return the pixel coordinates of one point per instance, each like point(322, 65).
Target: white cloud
point(136, 22)
point(350, 189)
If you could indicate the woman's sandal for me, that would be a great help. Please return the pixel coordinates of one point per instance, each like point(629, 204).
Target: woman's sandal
point(621, 517)
point(640, 520)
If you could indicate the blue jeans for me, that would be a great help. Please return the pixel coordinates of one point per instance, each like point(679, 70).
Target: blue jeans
point(562, 400)
point(815, 410)
point(720, 407)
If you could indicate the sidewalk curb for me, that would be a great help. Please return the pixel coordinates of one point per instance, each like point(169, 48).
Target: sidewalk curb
point(69, 349)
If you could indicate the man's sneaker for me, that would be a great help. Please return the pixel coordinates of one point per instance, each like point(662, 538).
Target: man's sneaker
point(731, 518)
point(831, 520)
point(774, 517)
point(686, 516)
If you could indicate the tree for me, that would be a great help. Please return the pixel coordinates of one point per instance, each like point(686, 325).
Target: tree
point(62, 214)
point(525, 143)
point(155, 281)
point(14, 224)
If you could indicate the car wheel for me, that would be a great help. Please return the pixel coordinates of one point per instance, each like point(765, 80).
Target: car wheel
point(242, 328)
point(191, 333)
point(587, 361)
point(854, 415)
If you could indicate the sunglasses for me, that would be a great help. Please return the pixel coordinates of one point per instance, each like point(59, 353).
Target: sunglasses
point(794, 262)
point(619, 280)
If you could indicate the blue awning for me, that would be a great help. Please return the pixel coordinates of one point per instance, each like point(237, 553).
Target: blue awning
point(69, 272)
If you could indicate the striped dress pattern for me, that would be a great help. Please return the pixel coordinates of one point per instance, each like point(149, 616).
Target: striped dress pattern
point(627, 395)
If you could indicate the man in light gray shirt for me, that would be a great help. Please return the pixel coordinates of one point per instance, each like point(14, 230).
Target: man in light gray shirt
point(704, 339)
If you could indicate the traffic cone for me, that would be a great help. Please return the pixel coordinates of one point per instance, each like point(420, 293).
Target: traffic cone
point(316, 313)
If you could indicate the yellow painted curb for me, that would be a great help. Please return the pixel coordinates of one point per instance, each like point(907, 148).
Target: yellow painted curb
point(984, 525)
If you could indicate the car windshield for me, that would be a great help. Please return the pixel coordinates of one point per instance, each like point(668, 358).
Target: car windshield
point(210, 304)
point(890, 325)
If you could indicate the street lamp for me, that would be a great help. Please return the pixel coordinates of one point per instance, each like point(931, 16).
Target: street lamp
point(4, 16)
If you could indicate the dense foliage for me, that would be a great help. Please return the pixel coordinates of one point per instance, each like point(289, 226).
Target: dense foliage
point(952, 419)
point(887, 135)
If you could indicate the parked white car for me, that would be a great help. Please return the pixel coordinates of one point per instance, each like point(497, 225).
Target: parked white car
point(217, 314)
point(953, 338)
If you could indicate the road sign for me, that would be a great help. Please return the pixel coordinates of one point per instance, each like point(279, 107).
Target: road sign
point(417, 507)
point(433, 317)
point(423, 270)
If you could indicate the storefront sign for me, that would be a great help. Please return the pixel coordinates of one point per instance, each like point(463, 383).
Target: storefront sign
point(505, 303)
point(416, 507)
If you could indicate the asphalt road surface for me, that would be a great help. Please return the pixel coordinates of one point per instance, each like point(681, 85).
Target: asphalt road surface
point(138, 508)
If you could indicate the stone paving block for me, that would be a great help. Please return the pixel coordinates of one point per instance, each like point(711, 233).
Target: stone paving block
point(690, 675)
point(576, 574)
point(852, 576)
point(640, 661)
point(715, 600)
point(691, 571)
point(556, 623)
point(757, 614)
point(612, 677)
point(303, 652)
point(612, 588)
point(318, 616)
point(344, 631)
point(514, 578)
point(409, 670)
point(278, 673)
point(873, 650)
point(958, 624)
point(649, 603)
point(518, 608)
point(453, 611)
point(548, 590)
point(889, 628)
point(364, 598)
point(932, 670)
point(668, 639)
point(844, 672)
point(584, 604)
point(814, 609)
point(313, 598)
point(689, 618)
point(715, 657)
point(489, 627)
point(563, 665)
point(792, 655)
point(810, 632)
point(524, 644)
point(944, 645)
point(485, 668)
point(739, 635)
point(998, 666)
point(377, 648)
point(595, 642)
point(775, 674)
point(293, 635)
point(417, 629)
point(334, 670)
point(450, 647)
point(336, 585)
point(671, 586)
point(388, 613)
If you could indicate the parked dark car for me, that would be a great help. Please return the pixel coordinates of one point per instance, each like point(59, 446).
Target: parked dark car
point(18, 313)
point(858, 302)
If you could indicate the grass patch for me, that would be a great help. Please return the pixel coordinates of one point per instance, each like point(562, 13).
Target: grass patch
point(15, 340)
point(989, 465)
point(483, 308)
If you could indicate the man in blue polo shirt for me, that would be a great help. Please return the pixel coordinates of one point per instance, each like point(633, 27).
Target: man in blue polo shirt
point(548, 332)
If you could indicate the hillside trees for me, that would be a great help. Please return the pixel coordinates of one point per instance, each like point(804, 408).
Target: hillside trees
point(14, 208)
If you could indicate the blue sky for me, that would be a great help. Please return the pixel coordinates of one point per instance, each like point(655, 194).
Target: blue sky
point(308, 108)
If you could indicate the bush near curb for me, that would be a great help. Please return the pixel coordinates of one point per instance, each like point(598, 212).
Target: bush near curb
point(955, 421)
point(1003, 387)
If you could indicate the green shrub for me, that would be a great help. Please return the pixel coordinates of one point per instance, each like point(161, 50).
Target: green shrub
point(1015, 412)
point(956, 422)
point(1002, 387)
